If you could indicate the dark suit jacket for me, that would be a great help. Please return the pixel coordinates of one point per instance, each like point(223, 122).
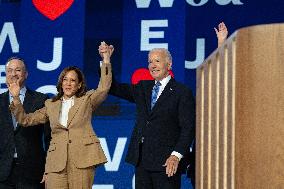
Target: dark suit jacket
point(168, 127)
point(28, 141)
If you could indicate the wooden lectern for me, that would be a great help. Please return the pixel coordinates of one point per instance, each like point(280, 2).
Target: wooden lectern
point(240, 112)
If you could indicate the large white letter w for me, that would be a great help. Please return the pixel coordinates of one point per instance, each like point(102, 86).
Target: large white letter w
point(146, 3)
point(8, 30)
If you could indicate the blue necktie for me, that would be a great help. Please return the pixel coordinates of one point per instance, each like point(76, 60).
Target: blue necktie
point(155, 92)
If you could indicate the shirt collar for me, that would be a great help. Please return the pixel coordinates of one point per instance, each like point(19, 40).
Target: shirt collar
point(23, 91)
point(66, 100)
point(165, 81)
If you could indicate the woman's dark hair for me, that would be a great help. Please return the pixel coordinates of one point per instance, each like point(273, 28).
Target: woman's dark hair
point(81, 91)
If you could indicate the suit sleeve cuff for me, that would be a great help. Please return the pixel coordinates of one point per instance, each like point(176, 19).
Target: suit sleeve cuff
point(174, 153)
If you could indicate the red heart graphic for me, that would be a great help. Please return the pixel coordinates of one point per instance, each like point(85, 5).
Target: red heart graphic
point(52, 9)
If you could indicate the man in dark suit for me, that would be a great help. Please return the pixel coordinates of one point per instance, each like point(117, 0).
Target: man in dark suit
point(22, 150)
point(165, 124)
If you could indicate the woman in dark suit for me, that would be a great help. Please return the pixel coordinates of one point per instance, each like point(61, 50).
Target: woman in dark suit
point(75, 149)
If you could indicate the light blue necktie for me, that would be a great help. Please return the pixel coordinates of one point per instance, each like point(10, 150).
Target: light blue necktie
point(155, 92)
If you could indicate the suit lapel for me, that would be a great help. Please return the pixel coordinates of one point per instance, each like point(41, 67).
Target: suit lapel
point(148, 94)
point(73, 110)
point(28, 101)
point(56, 106)
point(168, 91)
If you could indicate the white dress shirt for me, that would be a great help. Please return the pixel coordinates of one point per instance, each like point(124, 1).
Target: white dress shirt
point(163, 82)
point(66, 105)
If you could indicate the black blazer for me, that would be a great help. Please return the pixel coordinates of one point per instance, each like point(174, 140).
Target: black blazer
point(28, 141)
point(168, 127)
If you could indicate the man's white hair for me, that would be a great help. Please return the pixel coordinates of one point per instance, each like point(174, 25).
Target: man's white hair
point(163, 50)
point(16, 58)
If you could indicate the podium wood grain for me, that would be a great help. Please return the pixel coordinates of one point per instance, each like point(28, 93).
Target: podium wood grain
point(240, 112)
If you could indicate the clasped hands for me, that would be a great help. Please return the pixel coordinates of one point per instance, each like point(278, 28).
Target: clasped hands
point(105, 51)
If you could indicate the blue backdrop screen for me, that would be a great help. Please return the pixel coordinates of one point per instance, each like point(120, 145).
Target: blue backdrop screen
point(50, 38)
